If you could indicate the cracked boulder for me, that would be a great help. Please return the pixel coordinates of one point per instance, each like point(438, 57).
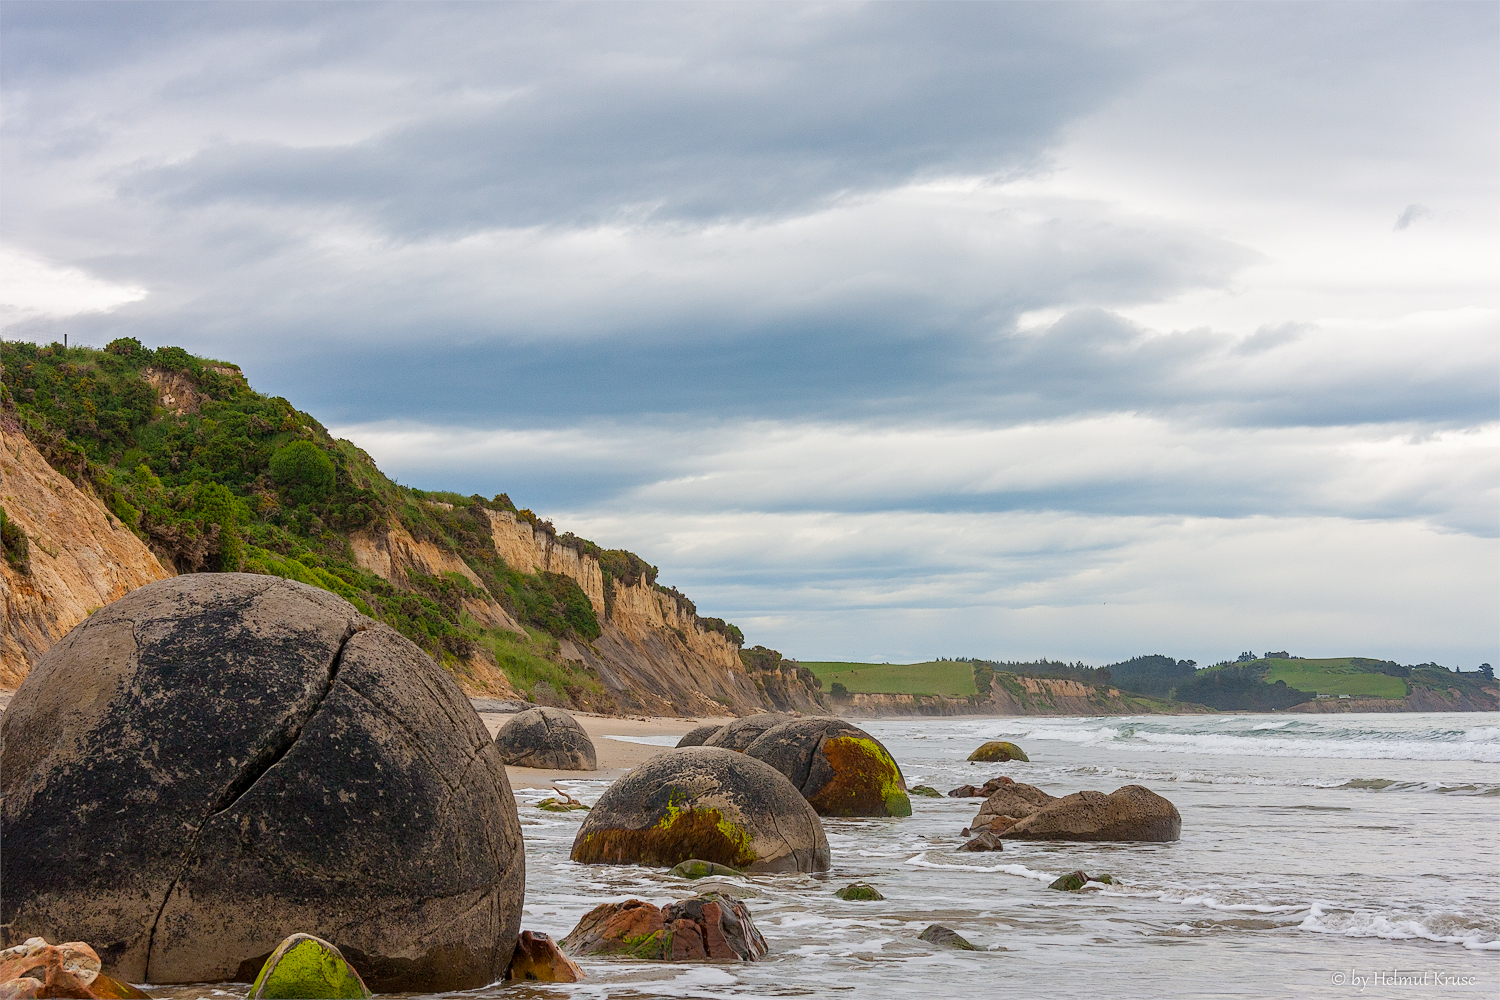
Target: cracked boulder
point(704, 803)
point(216, 761)
point(740, 733)
point(841, 769)
point(548, 738)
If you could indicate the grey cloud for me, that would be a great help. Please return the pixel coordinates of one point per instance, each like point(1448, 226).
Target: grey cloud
point(1411, 214)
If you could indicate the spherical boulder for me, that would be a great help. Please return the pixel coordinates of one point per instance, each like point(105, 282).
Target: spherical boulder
point(740, 733)
point(704, 803)
point(999, 751)
point(699, 736)
point(548, 738)
point(216, 761)
point(840, 769)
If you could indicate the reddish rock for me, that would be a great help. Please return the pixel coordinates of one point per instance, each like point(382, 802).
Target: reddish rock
point(708, 927)
point(981, 791)
point(24, 988)
point(537, 958)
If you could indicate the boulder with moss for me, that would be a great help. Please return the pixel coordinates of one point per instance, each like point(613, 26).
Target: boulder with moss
point(304, 966)
point(709, 927)
point(840, 769)
point(999, 751)
point(704, 803)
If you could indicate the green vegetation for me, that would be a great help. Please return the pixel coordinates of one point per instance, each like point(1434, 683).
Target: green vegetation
point(15, 543)
point(228, 479)
point(949, 677)
point(1342, 675)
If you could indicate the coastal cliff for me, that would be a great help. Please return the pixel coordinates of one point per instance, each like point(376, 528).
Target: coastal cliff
point(78, 556)
point(1016, 695)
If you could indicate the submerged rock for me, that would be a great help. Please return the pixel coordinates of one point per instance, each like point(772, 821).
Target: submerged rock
point(740, 733)
point(1071, 882)
point(696, 868)
point(304, 966)
point(546, 738)
point(945, 937)
point(1131, 813)
point(859, 891)
point(699, 736)
point(711, 926)
point(986, 841)
point(981, 791)
point(704, 803)
point(840, 769)
point(538, 959)
point(999, 750)
point(296, 747)
point(926, 791)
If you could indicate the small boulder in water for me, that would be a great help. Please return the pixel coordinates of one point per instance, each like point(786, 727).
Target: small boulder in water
point(538, 959)
point(696, 868)
point(926, 791)
point(704, 803)
point(546, 738)
point(986, 841)
point(306, 966)
point(945, 937)
point(740, 733)
point(859, 892)
point(1131, 813)
point(983, 791)
point(999, 751)
point(840, 769)
point(699, 736)
point(711, 926)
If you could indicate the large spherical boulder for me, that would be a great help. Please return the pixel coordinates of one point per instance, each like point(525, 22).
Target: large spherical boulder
point(999, 751)
point(740, 733)
point(546, 737)
point(840, 769)
point(216, 761)
point(706, 803)
point(700, 735)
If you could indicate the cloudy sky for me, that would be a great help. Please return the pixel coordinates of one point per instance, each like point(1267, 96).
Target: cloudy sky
point(887, 331)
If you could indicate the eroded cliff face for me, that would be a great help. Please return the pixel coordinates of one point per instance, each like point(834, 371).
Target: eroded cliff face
point(82, 558)
point(528, 550)
point(1014, 695)
point(391, 553)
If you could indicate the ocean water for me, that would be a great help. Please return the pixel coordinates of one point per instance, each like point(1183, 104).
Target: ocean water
point(1336, 856)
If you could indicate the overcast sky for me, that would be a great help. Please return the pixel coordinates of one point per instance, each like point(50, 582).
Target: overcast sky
point(886, 331)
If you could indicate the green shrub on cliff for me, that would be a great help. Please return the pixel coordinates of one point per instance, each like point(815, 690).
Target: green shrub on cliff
point(303, 471)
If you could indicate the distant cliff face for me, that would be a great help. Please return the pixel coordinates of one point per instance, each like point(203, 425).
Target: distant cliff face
point(1012, 694)
point(81, 557)
point(528, 550)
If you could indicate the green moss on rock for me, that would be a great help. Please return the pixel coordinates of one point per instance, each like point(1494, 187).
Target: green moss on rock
point(999, 751)
point(304, 967)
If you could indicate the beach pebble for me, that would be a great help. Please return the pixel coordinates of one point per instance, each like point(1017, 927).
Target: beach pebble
point(538, 959)
point(740, 733)
point(705, 803)
point(218, 759)
point(711, 926)
point(700, 735)
point(945, 937)
point(547, 738)
point(841, 769)
point(999, 751)
point(306, 966)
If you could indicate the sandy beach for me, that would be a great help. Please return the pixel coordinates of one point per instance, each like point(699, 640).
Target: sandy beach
point(615, 756)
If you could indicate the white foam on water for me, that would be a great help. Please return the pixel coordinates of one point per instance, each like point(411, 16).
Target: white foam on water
point(920, 861)
point(1484, 734)
point(1273, 725)
point(1444, 928)
point(1209, 902)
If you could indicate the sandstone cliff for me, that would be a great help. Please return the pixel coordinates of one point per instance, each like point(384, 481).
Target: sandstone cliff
point(81, 557)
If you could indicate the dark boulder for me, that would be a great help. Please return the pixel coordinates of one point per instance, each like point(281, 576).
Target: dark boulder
point(711, 926)
point(1131, 813)
point(704, 803)
point(699, 736)
point(547, 738)
point(841, 769)
point(986, 841)
point(740, 733)
point(538, 959)
point(945, 937)
point(999, 751)
point(862, 892)
point(216, 761)
point(927, 791)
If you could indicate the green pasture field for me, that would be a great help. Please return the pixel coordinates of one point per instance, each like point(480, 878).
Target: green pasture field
point(1334, 676)
point(933, 677)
